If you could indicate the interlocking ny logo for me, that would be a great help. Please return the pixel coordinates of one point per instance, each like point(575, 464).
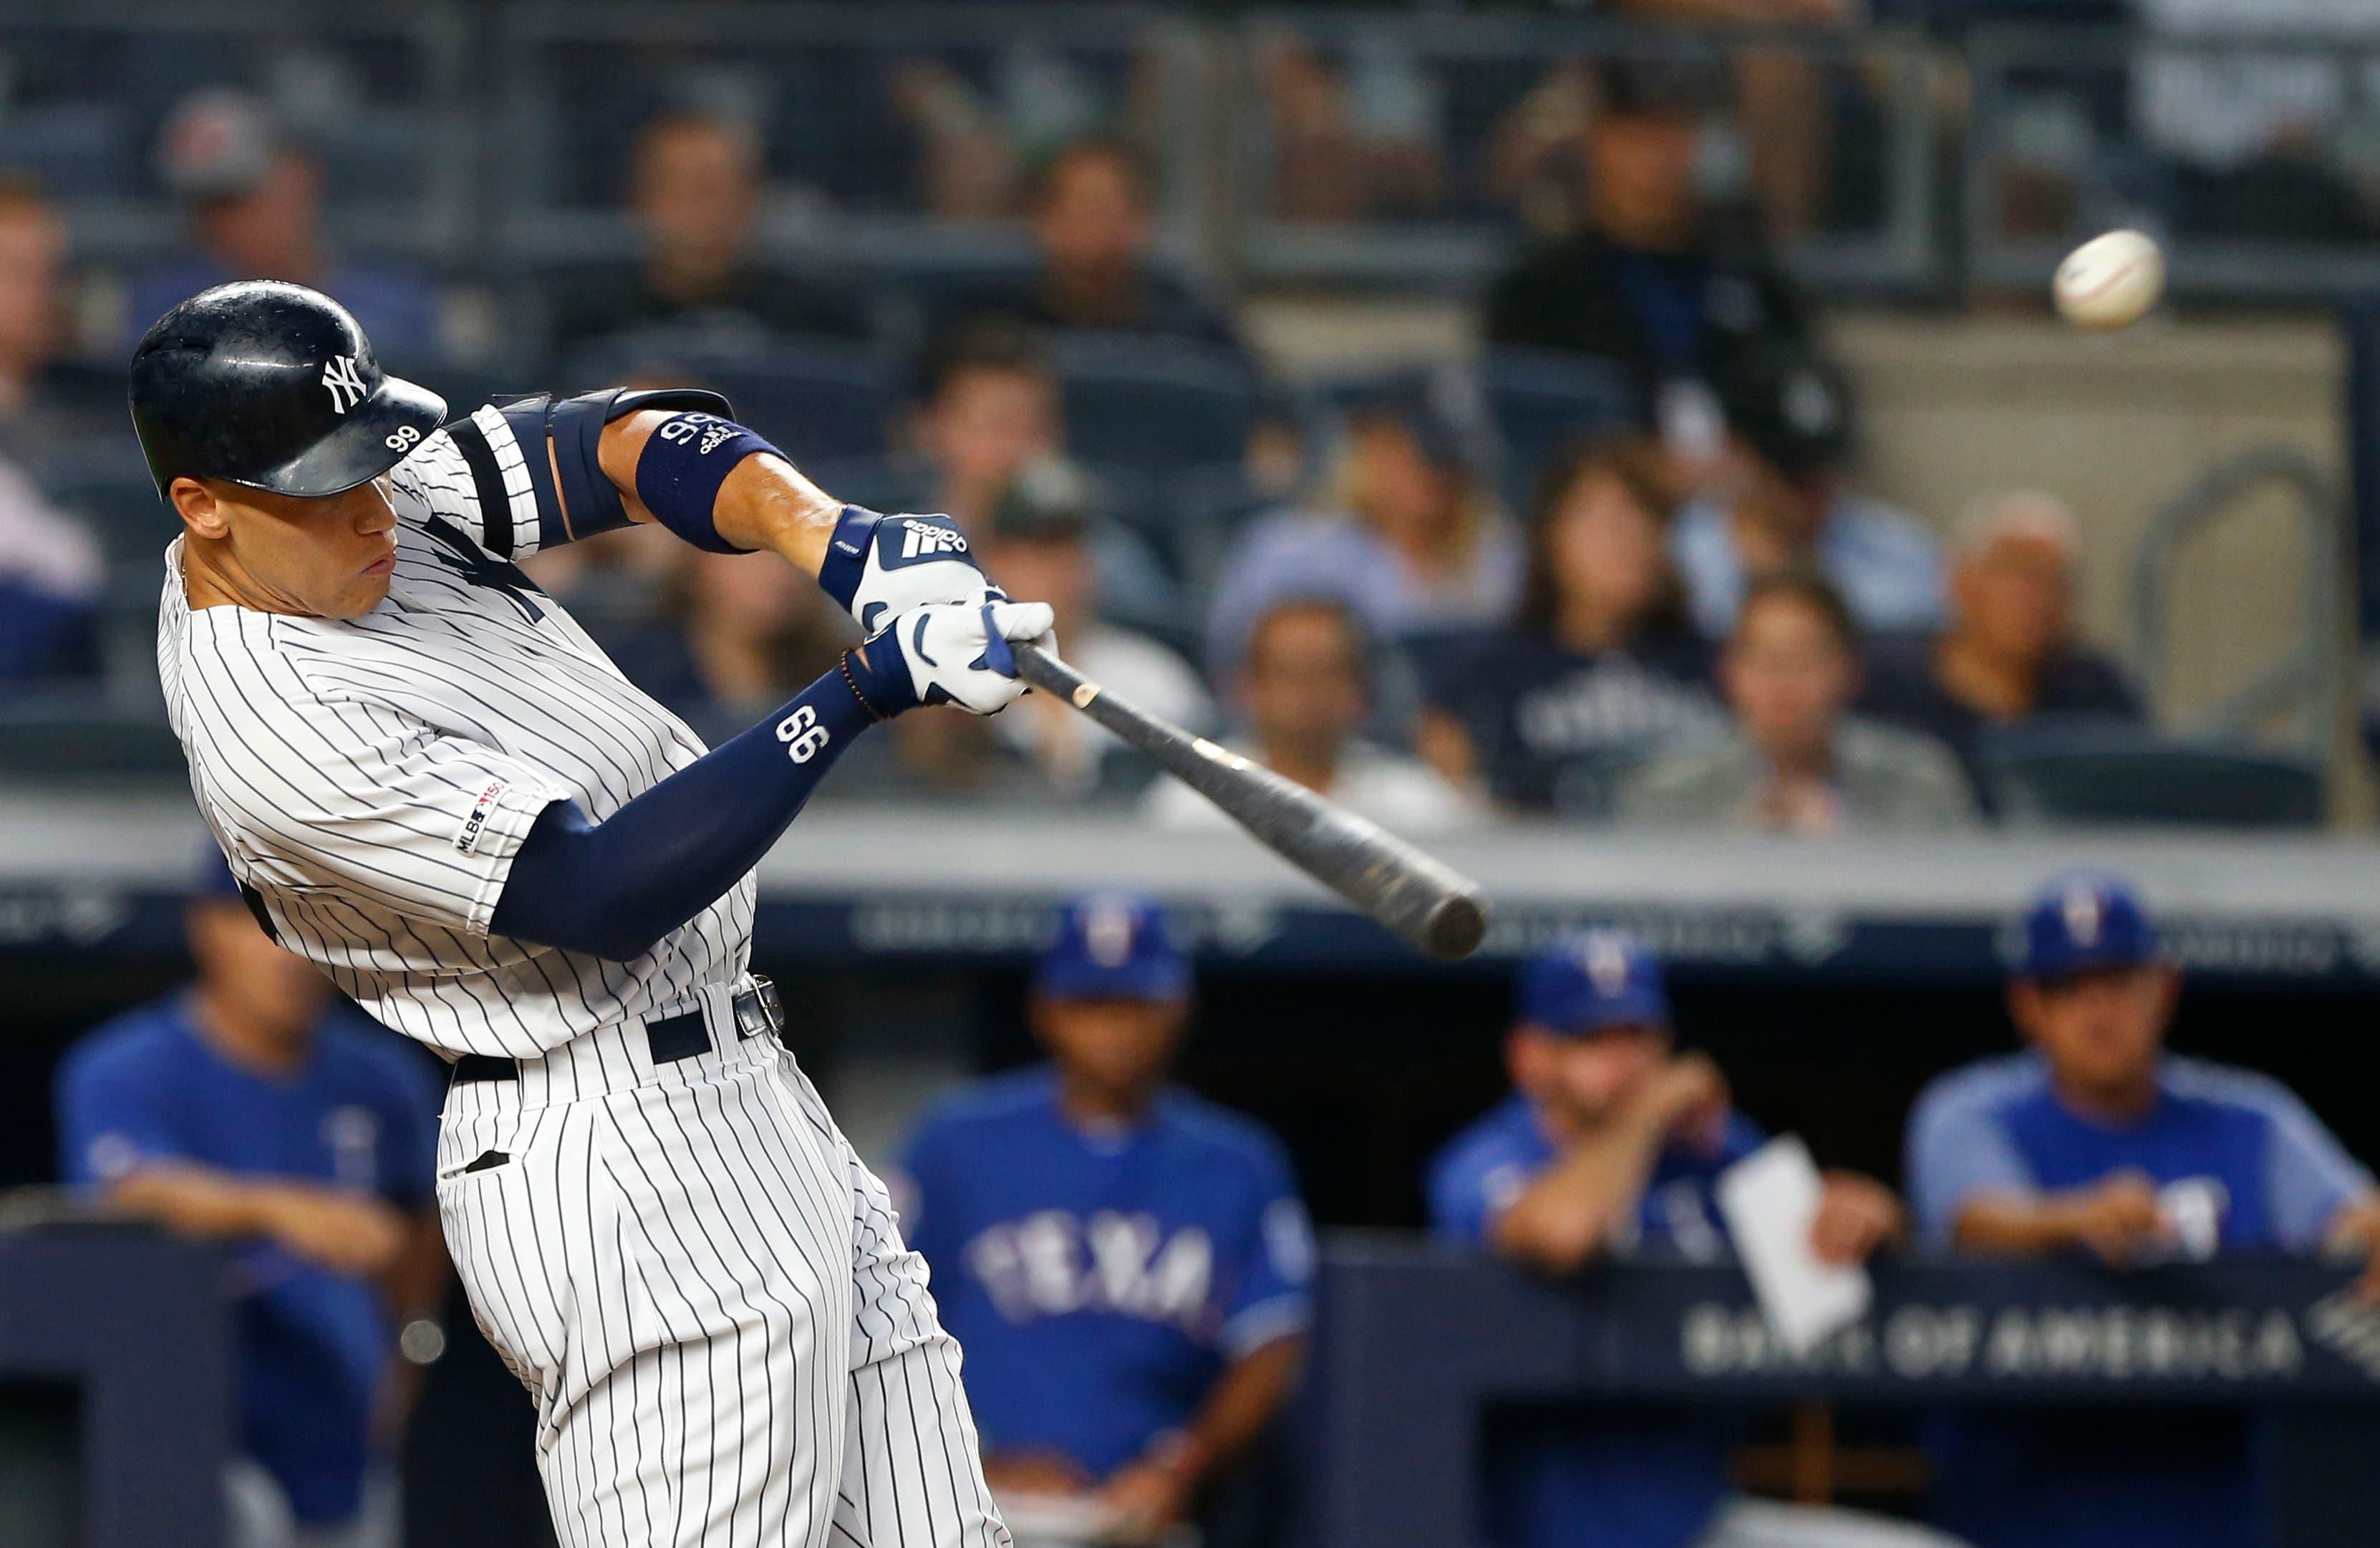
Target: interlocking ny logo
point(344, 383)
point(479, 568)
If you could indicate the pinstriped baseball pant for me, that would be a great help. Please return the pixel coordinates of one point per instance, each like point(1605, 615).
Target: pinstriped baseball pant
point(705, 1292)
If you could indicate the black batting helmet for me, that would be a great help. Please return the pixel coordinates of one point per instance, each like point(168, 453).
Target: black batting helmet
point(273, 386)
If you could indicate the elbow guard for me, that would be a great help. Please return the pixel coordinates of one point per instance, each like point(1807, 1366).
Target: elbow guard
point(574, 498)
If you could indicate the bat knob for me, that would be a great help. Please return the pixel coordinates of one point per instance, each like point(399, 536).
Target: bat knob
point(1454, 928)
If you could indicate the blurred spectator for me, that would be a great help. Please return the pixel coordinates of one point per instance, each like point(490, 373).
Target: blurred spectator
point(2096, 1141)
point(1038, 546)
point(50, 578)
point(1094, 231)
point(1600, 664)
point(47, 405)
point(49, 569)
point(1794, 761)
point(1612, 1146)
point(253, 1109)
point(254, 198)
point(1126, 1265)
point(739, 635)
point(1305, 690)
point(988, 408)
point(695, 182)
point(1647, 279)
point(1362, 140)
point(987, 404)
point(1415, 541)
point(1789, 414)
point(2263, 144)
point(2009, 656)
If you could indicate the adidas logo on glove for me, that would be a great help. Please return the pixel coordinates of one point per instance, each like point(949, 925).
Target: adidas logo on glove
point(923, 541)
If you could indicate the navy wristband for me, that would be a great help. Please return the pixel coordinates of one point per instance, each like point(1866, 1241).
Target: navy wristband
point(681, 469)
point(846, 565)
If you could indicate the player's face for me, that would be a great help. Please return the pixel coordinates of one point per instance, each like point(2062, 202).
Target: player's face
point(1787, 675)
point(1120, 1047)
point(1587, 1078)
point(2101, 1031)
point(1642, 175)
point(1603, 550)
point(1303, 686)
point(2012, 597)
point(695, 188)
point(1411, 499)
point(322, 558)
point(987, 424)
point(1094, 217)
point(273, 995)
point(32, 245)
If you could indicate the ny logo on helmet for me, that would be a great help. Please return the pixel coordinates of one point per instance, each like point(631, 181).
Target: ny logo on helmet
point(344, 382)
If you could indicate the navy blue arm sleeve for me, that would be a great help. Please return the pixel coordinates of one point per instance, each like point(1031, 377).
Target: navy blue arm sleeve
point(614, 888)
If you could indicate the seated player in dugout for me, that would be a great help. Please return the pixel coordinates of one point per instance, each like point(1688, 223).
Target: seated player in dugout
point(1610, 1147)
point(253, 1109)
point(1126, 1266)
point(2096, 1140)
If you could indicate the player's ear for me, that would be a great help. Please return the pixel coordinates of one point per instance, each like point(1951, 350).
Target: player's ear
point(1524, 1056)
point(2024, 1006)
point(198, 508)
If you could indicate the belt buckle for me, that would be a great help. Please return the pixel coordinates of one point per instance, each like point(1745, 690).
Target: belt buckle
point(760, 1010)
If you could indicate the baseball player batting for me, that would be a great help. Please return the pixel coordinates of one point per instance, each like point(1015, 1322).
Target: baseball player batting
point(429, 782)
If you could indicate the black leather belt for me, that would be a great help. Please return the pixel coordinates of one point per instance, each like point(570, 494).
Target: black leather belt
point(670, 1038)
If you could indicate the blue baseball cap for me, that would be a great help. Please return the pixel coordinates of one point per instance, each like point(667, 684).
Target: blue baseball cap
point(2084, 922)
point(1112, 945)
point(1582, 983)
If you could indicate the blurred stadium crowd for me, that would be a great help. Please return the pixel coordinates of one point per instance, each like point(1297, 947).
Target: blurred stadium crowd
point(1616, 566)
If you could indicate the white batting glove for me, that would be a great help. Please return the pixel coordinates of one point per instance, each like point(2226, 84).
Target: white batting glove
point(879, 565)
point(950, 654)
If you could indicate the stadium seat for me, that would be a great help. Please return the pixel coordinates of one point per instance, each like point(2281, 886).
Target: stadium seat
point(112, 491)
point(1539, 399)
point(2122, 776)
point(1153, 405)
point(816, 401)
point(76, 740)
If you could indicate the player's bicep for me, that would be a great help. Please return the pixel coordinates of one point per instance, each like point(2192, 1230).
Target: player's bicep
point(369, 805)
point(477, 474)
point(1959, 1153)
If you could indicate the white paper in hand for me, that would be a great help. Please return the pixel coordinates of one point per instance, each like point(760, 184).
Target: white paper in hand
point(1770, 1199)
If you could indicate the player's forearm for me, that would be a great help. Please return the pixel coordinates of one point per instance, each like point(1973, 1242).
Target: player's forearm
point(765, 502)
point(2016, 1227)
point(197, 1200)
point(614, 888)
point(1565, 1218)
point(1245, 1400)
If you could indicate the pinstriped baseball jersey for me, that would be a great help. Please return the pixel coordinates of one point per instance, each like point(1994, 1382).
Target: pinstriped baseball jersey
point(370, 779)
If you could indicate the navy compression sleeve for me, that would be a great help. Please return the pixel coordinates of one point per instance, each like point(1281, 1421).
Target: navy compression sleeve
point(613, 889)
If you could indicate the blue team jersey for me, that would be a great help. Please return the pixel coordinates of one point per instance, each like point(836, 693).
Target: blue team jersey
point(2242, 1167)
point(363, 1113)
point(1587, 1481)
point(1099, 1281)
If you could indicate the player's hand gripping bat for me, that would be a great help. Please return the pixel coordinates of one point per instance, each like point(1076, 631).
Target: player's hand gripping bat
point(1420, 898)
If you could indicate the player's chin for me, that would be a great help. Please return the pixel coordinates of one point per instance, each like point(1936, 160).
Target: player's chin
point(361, 596)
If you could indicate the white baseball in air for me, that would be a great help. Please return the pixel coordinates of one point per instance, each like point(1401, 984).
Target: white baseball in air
point(2110, 282)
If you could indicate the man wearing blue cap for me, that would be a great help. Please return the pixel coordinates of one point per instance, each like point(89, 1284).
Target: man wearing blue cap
point(1612, 1142)
point(1126, 1266)
point(250, 1109)
point(2095, 1139)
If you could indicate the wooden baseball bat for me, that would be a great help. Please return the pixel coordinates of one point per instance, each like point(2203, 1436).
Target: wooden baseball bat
point(1420, 898)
